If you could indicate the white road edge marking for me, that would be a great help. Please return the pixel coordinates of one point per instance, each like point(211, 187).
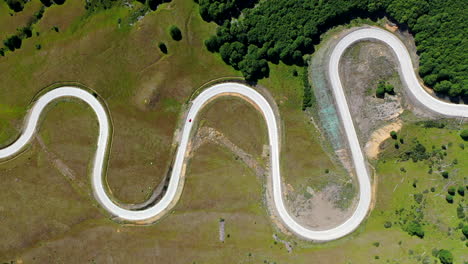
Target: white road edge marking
point(407, 74)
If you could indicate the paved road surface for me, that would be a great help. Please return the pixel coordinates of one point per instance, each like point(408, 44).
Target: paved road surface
point(161, 207)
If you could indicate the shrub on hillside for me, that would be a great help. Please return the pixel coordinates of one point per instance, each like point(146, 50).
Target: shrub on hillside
point(464, 134)
point(445, 256)
point(415, 229)
point(449, 198)
point(451, 190)
point(465, 230)
point(461, 190)
point(445, 174)
point(175, 33)
point(162, 47)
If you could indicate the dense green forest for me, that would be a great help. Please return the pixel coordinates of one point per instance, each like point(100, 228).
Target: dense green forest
point(286, 30)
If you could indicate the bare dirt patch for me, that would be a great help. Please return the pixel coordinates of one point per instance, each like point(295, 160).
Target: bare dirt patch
point(319, 209)
point(372, 148)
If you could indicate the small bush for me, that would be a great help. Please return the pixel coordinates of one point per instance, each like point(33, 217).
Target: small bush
point(418, 198)
point(460, 212)
point(451, 190)
point(464, 134)
point(162, 47)
point(431, 124)
point(461, 190)
point(415, 229)
point(25, 32)
point(380, 92)
point(445, 174)
point(465, 230)
point(449, 198)
point(393, 134)
point(175, 33)
point(389, 89)
point(38, 46)
point(383, 88)
point(388, 224)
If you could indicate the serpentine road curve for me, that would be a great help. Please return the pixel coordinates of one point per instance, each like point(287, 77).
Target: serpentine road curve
point(407, 74)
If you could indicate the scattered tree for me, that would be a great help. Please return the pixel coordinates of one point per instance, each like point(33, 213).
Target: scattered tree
point(451, 190)
point(465, 230)
point(445, 174)
point(47, 3)
point(449, 198)
point(175, 33)
point(15, 5)
point(460, 212)
point(162, 47)
point(393, 134)
point(13, 42)
point(415, 229)
point(445, 256)
point(464, 134)
point(383, 88)
point(153, 4)
point(461, 190)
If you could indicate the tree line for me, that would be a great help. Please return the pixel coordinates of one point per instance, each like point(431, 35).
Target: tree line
point(286, 30)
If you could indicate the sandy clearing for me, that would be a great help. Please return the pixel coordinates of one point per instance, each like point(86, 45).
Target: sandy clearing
point(372, 148)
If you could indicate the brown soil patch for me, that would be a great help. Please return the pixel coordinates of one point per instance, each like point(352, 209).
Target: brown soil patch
point(318, 210)
point(372, 148)
point(392, 28)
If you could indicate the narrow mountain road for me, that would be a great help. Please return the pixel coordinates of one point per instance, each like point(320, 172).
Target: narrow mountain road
point(168, 200)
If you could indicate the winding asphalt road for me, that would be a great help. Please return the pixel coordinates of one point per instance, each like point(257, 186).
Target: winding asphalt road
point(407, 74)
